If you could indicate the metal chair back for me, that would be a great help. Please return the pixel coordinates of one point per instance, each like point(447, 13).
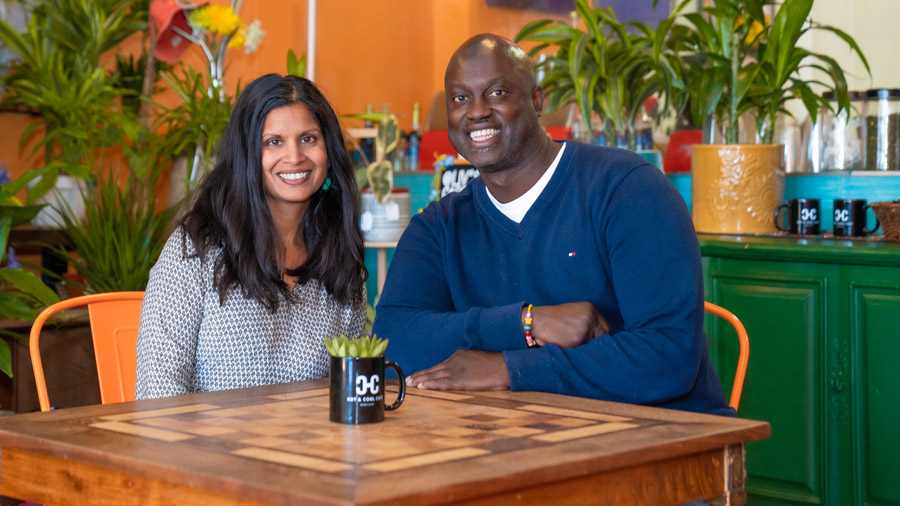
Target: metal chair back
point(114, 317)
point(744, 356)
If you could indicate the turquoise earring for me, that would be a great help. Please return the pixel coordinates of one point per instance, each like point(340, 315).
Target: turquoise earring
point(327, 184)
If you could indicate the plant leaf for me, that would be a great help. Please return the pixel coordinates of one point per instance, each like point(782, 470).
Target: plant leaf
point(381, 178)
point(5, 358)
point(30, 284)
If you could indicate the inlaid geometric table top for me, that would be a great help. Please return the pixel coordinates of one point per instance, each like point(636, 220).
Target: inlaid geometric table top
point(294, 430)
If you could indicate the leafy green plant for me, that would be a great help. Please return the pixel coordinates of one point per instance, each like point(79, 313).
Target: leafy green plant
point(610, 68)
point(379, 173)
point(59, 76)
point(367, 346)
point(88, 29)
point(89, 116)
point(739, 61)
point(203, 114)
point(21, 292)
point(129, 77)
point(296, 67)
point(121, 235)
point(370, 315)
point(200, 119)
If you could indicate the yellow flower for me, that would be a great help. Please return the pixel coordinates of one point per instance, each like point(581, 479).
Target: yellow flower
point(216, 19)
point(755, 30)
point(237, 40)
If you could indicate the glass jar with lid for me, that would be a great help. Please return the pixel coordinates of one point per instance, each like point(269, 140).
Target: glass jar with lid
point(836, 140)
point(881, 114)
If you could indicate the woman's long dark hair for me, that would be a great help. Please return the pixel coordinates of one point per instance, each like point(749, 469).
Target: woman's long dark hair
point(231, 210)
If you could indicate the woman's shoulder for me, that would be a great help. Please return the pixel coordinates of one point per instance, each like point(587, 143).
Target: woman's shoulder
point(180, 248)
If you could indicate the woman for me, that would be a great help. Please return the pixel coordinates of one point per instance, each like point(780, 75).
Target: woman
point(268, 261)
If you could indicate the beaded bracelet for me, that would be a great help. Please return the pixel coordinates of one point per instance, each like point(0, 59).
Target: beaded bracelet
point(527, 327)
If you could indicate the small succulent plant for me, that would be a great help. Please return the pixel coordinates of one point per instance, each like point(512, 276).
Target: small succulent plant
point(368, 346)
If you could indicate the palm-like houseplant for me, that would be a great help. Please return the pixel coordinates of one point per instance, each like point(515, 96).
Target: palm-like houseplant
point(59, 76)
point(91, 131)
point(609, 68)
point(742, 64)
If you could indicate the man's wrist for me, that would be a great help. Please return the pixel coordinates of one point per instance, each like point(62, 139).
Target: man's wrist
point(527, 321)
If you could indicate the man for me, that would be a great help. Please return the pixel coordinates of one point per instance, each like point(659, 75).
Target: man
point(590, 247)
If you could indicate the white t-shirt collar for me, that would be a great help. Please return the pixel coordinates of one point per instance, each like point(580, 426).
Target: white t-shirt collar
point(516, 209)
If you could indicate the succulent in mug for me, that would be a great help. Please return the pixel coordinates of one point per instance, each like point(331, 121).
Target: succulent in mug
point(367, 346)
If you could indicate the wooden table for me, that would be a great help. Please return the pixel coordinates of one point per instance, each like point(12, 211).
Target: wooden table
point(275, 445)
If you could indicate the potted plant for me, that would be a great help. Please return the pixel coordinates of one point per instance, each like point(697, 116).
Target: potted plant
point(205, 107)
point(123, 232)
point(741, 64)
point(58, 76)
point(385, 209)
point(20, 291)
point(609, 68)
point(91, 130)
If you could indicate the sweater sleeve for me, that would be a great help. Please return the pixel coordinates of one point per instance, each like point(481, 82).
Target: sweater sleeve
point(657, 278)
point(170, 323)
point(416, 310)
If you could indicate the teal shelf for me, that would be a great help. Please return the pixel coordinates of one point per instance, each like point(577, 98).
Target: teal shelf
point(419, 185)
point(682, 183)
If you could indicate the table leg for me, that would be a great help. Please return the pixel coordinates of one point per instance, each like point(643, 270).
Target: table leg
point(382, 268)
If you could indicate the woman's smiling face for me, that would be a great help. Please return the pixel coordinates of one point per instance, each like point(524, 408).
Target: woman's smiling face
point(294, 158)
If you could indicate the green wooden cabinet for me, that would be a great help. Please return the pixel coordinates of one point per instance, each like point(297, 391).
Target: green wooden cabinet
point(824, 323)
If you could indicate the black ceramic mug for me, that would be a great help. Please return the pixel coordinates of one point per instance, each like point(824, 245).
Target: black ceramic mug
point(356, 389)
point(803, 216)
point(850, 218)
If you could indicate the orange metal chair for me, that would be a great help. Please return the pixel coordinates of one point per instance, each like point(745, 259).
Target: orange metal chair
point(114, 319)
point(744, 356)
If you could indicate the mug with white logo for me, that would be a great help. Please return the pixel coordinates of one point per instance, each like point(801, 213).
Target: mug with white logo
point(850, 218)
point(356, 389)
point(802, 216)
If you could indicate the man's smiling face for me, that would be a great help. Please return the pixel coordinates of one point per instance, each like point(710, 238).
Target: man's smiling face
point(493, 107)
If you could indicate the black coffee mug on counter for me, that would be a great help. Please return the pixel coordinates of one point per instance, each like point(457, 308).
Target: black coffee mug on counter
point(356, 389)
point(803, 216)
point(850, 218)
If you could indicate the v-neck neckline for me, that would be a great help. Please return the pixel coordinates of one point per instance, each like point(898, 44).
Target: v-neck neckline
point(554, 186)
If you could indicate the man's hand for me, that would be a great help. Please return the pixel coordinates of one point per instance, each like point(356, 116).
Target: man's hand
point(464, 370)
point(567, 325)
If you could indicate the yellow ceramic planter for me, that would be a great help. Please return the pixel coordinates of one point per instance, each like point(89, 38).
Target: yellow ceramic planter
point(735, 188)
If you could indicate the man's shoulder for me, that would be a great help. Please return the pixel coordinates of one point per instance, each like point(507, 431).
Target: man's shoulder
point(604, 157)
point(605, 168)
point(454, 203)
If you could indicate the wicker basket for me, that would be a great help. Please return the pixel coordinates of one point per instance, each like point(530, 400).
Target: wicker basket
point(888, 214)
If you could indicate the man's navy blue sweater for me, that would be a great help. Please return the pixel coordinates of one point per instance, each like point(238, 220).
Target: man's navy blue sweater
point(609, 229)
